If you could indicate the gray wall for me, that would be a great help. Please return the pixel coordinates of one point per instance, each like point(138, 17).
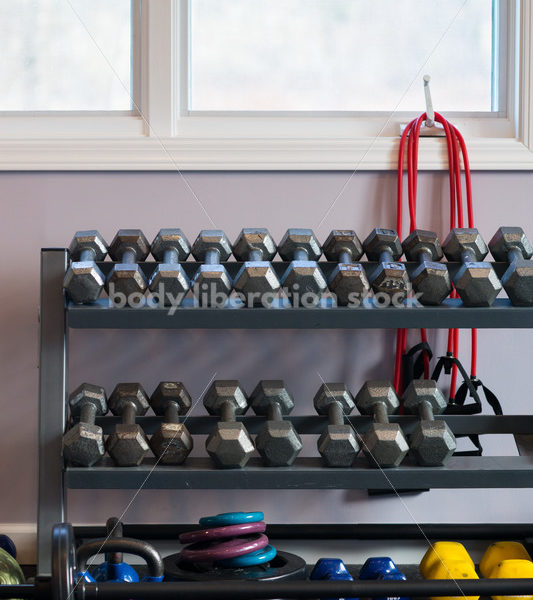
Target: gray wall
point(44, 209)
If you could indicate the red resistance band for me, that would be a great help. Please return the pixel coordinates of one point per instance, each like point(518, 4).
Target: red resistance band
point(456, 146)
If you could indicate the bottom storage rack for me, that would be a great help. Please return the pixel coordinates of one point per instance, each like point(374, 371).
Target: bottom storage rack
point(61, 585)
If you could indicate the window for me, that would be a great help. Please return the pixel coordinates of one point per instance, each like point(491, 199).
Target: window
point(342, 55)
point(50, 56)
point(262, 84)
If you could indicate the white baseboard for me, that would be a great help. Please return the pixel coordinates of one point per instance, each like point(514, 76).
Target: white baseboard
point(25, 537)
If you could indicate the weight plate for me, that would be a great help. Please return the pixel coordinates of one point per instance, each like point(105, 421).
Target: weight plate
point(7, 544)
point(259, 557)
point(283, 566)
point(231, 518)
point(216, 533)
point(219, 550)
point(63, 561)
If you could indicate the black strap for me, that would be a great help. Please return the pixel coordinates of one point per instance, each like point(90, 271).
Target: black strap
point(446, 363)
point(413, 362)
point(457, 406)
point(490, 396)
point(492, 400)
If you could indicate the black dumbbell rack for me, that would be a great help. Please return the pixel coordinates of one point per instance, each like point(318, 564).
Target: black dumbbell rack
point(57, 317)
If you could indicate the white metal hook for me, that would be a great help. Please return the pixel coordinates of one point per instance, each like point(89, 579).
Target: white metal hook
point(430, 113)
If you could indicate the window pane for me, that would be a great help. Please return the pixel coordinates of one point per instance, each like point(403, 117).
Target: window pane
point(50, 60)
point(352, 55)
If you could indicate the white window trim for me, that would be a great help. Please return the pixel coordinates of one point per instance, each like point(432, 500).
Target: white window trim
point(169, 138)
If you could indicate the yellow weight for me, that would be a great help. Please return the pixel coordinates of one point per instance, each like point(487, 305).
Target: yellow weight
point(442, 552)
point(448, 560)
point(498, 552)
point(513, 568)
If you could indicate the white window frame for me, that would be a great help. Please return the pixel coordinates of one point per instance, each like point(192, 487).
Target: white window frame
point(161, 134)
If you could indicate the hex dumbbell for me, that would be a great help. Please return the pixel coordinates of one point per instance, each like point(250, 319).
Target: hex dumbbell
point(229, 444)
point(511, 244)
point(83, 444)
point(348, 280)
point(390, 278)
point(256, 279)
point(331, 569)
point(442, 553)
point(172, 442)
point(448, 560)
point(278, 442)
point(169, 280)
point(431, 278)
point(384, 444)
point(211, 283)
point(506, 560)
point(432, 442)
point(475, 281)
point(84, 281)
point(128, 445)
point(500, 551)
point(126, 282)
point(338, 443)
point(382, 568)
point(303, 280)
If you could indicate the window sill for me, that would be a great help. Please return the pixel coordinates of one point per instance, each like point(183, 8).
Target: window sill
point(148, 154)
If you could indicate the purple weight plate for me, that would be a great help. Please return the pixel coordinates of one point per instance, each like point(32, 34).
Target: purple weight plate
point(216, 533)
point(211, 551)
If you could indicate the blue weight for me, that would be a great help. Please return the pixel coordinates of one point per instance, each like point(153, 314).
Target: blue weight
point(150, 579)
point(85, 576)
point(382, 568)
point(251, 559)
point(377, 566)
point(117, 573)
point(7, 544)
point(231, 518)
point(332, 569)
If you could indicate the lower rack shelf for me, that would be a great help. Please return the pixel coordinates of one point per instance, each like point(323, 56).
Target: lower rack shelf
point(309, 473)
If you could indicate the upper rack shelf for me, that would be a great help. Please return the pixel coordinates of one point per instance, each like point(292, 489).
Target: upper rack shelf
point(451, 314)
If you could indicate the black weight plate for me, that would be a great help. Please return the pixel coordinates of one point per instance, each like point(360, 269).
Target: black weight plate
point(63, 561)
point(284, 566)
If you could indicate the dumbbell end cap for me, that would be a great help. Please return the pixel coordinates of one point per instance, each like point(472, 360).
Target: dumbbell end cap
point(342, 240)
point(338, 446)
point(375, 391)
point(88, 393)
point(269, 391)
point(168, 392)
point(125, 393)
point(385, 445)
point(299, 239)
point(225, 390)
point(230, 445)
point(88, 239)
point(129, 239)
point(254, 238)
point(84, 282)
point(83, 445)
point(433, 443)
point(211, 239)
point(171, 443)
point(278, 443)
point(170, 239)
point(128, 445)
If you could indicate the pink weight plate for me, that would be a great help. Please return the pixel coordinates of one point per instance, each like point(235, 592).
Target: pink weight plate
point(217, 533)
point(211, 551)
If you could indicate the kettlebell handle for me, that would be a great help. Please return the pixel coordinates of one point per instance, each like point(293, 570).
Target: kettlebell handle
point(125, 545)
